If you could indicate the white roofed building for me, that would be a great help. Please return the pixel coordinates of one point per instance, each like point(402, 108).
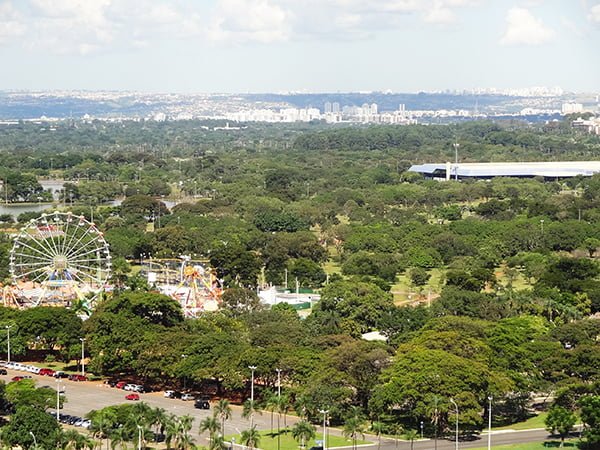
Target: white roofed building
point(547, 169)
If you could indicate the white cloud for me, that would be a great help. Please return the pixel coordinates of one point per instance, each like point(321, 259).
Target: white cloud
point(594, 14)
point(525, 29)
point(87, 26)
point(11, 25)
point(249, 20)
point(440, 14)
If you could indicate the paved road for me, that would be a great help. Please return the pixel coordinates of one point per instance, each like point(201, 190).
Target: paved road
point(82, 397)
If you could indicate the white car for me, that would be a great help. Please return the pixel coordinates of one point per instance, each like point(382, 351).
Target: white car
point(187, 397)
point(129, 387)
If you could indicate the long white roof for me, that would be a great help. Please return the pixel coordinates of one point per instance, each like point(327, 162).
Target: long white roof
point(548, 169)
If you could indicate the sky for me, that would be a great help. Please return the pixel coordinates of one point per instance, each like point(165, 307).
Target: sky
point(238, 46)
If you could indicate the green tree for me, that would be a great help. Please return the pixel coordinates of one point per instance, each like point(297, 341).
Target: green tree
point(303, 432)
point(251, 437)
point(353, 427)
point(590, 416)
point(223, 412)
point(210, 424)
point(378, 428)
point(411, 436)
point(560, 421)
point(24, 393)
point(29, 421)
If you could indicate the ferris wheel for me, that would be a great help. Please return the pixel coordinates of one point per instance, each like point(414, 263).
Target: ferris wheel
point(58, 258)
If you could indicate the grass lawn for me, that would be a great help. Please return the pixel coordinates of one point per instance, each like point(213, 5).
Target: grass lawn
point(532, 445)
point(402, 288)
point(268, 441)
point(534, 422)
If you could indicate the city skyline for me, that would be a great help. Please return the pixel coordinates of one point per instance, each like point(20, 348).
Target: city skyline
point(307, 46)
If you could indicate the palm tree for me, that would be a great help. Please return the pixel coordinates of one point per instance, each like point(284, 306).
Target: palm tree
point(171, 426)
point(251, 437)
point(301, 406)
point(119, 437)
point(352, 428)
point(210, 424)
point(271, 404)
point(435, 409)
point(249, 409)
point(303, 432)
point(159, 420)
point(75, 440)
point(411, 435)
point(377, 428)
point(102, 422)
point(218, 443)
point(283, 407)
point(183, 439)
point(223, 412)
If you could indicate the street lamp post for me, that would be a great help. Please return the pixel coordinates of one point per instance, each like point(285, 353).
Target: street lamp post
point(421, 430)
point(456, 145)
point(57, 399)
point(456, 409)
point(82, 356)
point(542, 226)
point(252, 368)
point(8, 327)
point(34, 439)
point(490, 422)
point(184, 377)
point(324, 412)
point(139, 427)
point(279, 407)
point(278, 382)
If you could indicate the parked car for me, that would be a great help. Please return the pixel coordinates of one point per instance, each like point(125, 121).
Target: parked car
point(76, 377)
point(3, 372)
point(46, 371)
point(132, 396)
point(172, 394)
point(187, 397)
point(202, 403)
point(121, 384)
point(60, 374)
point(17, 378)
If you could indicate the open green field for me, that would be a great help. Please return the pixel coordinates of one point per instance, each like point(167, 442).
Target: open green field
point(532, 446)
point(268, 441)
point(403, 289)
point(534, 422)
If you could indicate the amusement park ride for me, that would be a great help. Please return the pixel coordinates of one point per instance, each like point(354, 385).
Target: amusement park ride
point(61, 258)
point(186, 280)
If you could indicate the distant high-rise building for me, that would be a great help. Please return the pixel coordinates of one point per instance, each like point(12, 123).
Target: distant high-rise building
point(373, 108)
point(572, 108)
point(327, 107)
point(335, 108)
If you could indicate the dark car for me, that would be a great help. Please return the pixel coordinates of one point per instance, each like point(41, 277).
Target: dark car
point(202, 403)
point(3, 372)
point(60, 374)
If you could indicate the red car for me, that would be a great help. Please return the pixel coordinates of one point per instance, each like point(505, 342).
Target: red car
point(132, 397)
point(120, 384)
point(46, 371)
point(75, 377)
point(17, 378)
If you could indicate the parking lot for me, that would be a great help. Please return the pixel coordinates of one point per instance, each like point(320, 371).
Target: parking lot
point(84, 396)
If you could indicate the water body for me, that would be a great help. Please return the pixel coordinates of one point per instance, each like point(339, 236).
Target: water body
point(16, 209)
